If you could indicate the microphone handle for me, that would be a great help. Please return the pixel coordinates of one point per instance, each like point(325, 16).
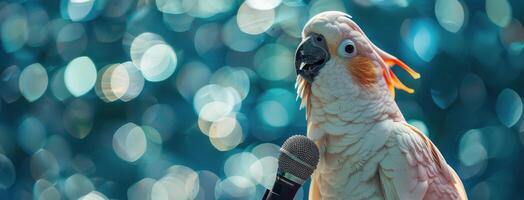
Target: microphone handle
point(270, 195)
point(283, 189)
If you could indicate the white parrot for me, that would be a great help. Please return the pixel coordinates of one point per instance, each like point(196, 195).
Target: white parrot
point(367, 150)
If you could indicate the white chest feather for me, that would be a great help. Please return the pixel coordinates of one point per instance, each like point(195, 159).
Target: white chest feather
point(350, 125)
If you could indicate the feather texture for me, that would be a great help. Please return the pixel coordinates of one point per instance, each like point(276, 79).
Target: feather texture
point(367, 150)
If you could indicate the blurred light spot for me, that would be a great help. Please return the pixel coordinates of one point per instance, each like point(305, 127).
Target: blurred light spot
point(512, 36)
point(78, 10)
point(318, 6)
point(50, 193)
point(78, 118)
point(450, 14)
point(382, 3)
point(215, 110)
point(420, 125)
point(263, 4)
point(444, 97)
point(108, 187)
point(498, 181)
point(162, 118)
point(235, 78)
point(31, 135)
point(33, 82)
point(44, 166)
point(55, 25)
point(168, 188)
point(157, 168)
point(225, 133)
point(237, 40)
point(191, 77)
point(276, 108)
point(94, 195)
point(119, 81)
point(71, 41)
point(208, 182)
point(83, 164)
point(235, 188)
point(154, 144)
point(14, 29)
point(516, 47)
point(153, 57)
point(499, 12)
point(141, 44)
point(472, 91)
point(117, 8)
point(113, 82)
point(482, 191)
point(265, 150)
point(486, 47)
point(38, 30)
point(175, 6)
point(129, 142)
point(272, 62)
point(273, 113)
point(209, 8)
point(45, 190)
point(141, 189)
point(159, 191)
point(7, 172)
point(509, 107)
point(188, 177)
point(77, 186)
point(178, 23)
point(136, 82)
point(425, 40)
point(10, 85)
point(253, 21)
point(472, 152)
point(60, 148)
point(204, 126)
point(40, 185)
point(214, 101)
point(80, 76)
point(499, 142)
point(239, 164)
point(294, 3)
point(158, 63)
point(58, 87)
point(207, 38)
point(179, 183)
point(264, 171)
point(291, 19)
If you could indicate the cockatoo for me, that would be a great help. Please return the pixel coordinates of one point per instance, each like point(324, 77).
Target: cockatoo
point(367, 150)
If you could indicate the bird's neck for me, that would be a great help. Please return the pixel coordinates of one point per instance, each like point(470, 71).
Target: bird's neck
point(336, 101)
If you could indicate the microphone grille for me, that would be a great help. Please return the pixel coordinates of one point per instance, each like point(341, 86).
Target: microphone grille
point(298, 156)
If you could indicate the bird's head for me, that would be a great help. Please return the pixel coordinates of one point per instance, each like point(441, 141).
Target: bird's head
point(333, 40)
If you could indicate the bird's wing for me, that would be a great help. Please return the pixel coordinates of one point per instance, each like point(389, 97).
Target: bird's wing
point(413, 168)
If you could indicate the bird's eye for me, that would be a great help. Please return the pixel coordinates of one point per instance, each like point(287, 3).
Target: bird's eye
point(347, 49)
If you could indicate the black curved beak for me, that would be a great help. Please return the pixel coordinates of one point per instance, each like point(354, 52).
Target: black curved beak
point(311, 55)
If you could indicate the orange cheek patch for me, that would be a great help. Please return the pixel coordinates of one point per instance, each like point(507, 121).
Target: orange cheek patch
point(363, 71)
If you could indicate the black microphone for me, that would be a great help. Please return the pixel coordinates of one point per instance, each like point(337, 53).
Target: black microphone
point(297, 160)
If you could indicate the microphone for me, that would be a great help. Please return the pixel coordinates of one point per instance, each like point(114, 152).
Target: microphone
point(297, 160)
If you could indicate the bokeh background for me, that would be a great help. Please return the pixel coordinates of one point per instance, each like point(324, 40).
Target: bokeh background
point(191, 99)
